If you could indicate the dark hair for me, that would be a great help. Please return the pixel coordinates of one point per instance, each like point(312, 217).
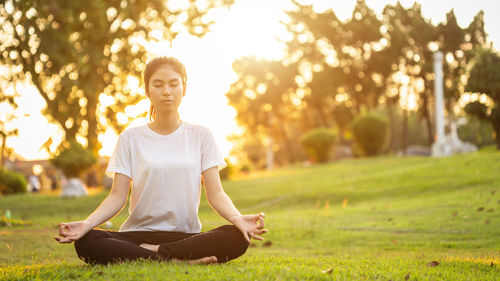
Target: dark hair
point(156, 63)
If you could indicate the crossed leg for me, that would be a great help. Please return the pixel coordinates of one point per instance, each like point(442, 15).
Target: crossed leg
point(221, 244)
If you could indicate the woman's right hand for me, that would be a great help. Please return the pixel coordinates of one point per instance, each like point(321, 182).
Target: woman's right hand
point(72, 231)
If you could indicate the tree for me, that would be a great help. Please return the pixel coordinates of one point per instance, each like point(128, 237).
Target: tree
point(262, 96)
point(485, 78)
point(75, 51)
point(4, 119)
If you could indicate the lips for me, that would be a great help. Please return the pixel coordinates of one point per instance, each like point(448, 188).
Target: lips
point(167, 101)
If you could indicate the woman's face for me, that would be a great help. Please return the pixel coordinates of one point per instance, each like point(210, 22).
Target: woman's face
point(165, 90)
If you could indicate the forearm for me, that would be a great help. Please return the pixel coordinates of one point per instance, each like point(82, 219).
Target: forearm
point(111, 206)
point(223, 205)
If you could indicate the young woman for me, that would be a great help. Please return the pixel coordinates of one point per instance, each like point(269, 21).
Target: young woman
point(162, 164)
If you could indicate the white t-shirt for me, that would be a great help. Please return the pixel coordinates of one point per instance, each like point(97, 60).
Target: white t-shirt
point(166, 175)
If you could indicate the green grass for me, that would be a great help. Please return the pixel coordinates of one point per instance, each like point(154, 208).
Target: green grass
point(365, 219)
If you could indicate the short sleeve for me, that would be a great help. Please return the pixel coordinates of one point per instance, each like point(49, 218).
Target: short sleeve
point(210, 153)
point(120, 161)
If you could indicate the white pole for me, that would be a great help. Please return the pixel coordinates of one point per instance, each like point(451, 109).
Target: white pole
point(438, 92)
point(439, 146)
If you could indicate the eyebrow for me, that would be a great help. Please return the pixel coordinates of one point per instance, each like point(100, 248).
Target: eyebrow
point(157, 80)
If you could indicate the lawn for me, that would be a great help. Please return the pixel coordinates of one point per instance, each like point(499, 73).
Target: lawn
point(382, 218)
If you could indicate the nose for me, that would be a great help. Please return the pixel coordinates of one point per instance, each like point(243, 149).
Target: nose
point(167, 91)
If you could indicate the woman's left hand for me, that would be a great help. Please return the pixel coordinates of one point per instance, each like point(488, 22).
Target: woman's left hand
point(251, 226)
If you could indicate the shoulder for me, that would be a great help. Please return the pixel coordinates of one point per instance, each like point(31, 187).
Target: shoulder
point(197, 129)
point(131, 132)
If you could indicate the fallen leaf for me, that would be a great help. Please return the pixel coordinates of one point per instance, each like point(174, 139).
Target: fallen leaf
point(490, 210)
point(328, 271)
point(99, 272)
point(493, 192)
point(455, 214)
point(433, 264)
point(407, 276)
point(252, 245)
point(267, 244)
point(344, 203)
point(487, 221)
point(8, 246)
point(492, 264)
point(480, 209)
point(389, 219)
point(394, 242)
point(327, 205)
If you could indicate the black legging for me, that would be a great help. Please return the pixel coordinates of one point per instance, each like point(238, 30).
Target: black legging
point(103, 247)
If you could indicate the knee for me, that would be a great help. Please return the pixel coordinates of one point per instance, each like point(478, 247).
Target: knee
point(236, 238)
point(83, 244)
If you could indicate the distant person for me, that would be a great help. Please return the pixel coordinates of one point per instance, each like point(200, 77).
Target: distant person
point(164, 161)
point(53, 181)
point(34, 183)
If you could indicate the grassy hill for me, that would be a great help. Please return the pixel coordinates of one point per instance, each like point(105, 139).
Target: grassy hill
point(365, 219)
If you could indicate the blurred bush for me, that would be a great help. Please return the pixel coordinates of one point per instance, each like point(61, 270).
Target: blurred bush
point(73, 160)
point(12, 182)
point(318, 143)
point(477, 132)
point(370, 132)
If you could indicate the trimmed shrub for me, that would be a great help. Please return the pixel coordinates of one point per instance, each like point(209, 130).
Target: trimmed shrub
point(370, 132)
point(73, 161)
point(12, 182)
point(477, 132)
point(318, 143)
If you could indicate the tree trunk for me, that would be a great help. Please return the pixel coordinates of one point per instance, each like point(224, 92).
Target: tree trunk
point(93, 144)
point(404, 131)
point(392, 127)
point(497, 137)
point(427, 118)
point(2, 159)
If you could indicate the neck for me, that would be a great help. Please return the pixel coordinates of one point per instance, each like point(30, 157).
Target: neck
point(165, 123)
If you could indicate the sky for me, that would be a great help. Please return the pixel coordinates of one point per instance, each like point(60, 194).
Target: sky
point(249, 27)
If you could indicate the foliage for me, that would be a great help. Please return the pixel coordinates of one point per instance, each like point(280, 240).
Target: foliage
point(228, 171)
point(334, 69)
point(485, 78)
point(74, 160)
point(370, 132)
point(72, 51)
point(477, 109)
point(477, 132)
point(318, 143)
point(12, 182)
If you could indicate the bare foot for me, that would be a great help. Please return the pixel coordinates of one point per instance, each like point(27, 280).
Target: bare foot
point(150, 247)
point(204, 260)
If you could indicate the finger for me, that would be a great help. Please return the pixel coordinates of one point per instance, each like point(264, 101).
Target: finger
point(261, 225)
point(246, 237)
point(260, 231)
point(63, 229)
point(63, 240)
point(262, 215)
point(255, 236)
